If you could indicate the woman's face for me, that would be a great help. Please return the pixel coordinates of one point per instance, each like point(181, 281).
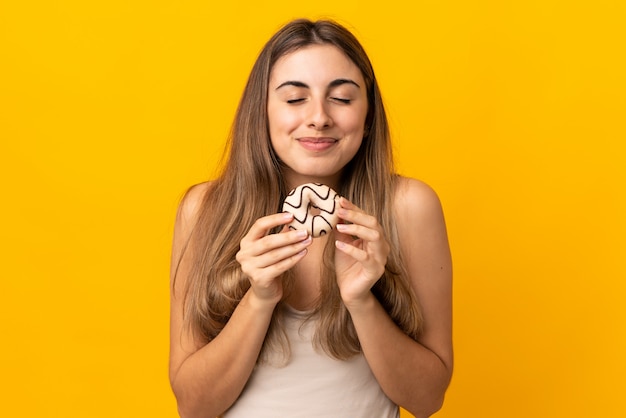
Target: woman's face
point(317, 105)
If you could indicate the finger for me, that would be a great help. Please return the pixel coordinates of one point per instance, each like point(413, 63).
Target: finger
point(372, 263)
point(272, 242)
point(352, 250)
point(353, 214)
point(345, 203)
point(356, 230)
point(275, 268)
point(285, 264)
point(279, 254)
point(263, 225)
point(271, 248)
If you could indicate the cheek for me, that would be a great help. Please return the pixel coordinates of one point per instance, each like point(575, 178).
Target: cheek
point(281, 120)
point(355, 124)
point(354, 120)
point(281, 126)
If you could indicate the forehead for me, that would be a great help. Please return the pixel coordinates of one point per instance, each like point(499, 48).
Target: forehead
point(315, 64)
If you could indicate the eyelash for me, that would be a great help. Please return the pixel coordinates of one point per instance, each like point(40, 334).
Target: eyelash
point(344, 101)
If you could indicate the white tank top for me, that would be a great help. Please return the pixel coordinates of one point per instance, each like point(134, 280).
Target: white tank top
point(312, 384)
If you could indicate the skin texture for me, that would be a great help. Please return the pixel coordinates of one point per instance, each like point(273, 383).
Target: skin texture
point(315, 133)
point(312, 129)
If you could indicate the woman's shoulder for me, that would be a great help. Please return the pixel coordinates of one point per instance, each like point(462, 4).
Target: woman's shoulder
point(413, 194)
point(192, 201)
point(420, 223)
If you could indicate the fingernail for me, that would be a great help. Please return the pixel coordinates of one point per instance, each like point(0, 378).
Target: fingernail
point(340, 244)
point(287, 215)
point(342, 227)
point(301, 233)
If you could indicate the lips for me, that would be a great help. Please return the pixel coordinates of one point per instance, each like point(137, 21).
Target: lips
point(317, 143)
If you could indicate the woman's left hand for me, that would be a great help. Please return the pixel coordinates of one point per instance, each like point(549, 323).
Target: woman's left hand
point(361, 255)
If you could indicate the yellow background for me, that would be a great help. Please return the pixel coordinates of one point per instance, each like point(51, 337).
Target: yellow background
point(513, 111)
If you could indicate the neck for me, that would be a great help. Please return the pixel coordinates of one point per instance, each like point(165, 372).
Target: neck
point(294, 180)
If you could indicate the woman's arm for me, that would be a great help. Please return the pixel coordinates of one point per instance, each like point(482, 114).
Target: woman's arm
point(207, 378)
point(415, 375)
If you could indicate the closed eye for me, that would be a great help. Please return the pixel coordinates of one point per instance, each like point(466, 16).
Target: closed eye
point(339, 99)
point(295, 101)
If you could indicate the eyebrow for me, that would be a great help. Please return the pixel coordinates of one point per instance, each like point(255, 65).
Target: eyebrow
point(334, 83)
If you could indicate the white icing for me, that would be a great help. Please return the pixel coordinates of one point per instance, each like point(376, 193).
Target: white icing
point(305, 201)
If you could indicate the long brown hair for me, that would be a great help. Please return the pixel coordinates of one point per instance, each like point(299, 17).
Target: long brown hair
point(251, 186)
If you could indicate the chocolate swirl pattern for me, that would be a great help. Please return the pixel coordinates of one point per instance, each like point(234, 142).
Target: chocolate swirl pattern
point(313, 207)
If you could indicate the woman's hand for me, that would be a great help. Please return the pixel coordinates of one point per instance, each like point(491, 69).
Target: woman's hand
point(362, 253)
point(264, 257)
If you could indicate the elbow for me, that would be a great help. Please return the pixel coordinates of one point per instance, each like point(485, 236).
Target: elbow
point(192, 410)
point(183, 412)
point(183, 405)
point(425, 410)
point(186, 413)
point(431, 403)
point(189, 406)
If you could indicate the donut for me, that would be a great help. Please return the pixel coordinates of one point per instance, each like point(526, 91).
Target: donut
point(314, 208)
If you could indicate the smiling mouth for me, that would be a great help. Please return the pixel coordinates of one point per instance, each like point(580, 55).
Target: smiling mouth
point(317, 144)
point(315, 140)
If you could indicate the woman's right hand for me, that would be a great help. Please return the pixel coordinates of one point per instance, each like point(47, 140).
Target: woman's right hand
point(264, 257)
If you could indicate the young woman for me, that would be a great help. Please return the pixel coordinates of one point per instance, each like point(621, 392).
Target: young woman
point(267, 321)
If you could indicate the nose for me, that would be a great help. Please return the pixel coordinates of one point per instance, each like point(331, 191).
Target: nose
point(319, 118)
